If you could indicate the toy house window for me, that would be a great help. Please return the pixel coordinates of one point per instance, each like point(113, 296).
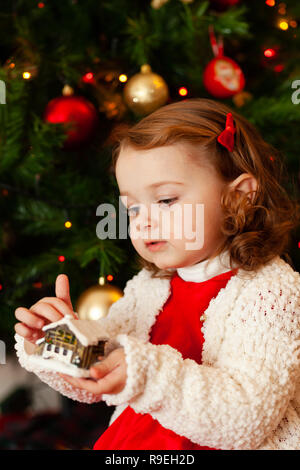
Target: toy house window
point(48, 347)
point(69, 338)
point(65, 352)
point(56, 349)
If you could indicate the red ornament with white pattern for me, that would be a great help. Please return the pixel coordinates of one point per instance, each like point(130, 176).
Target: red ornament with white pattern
point(222, 77)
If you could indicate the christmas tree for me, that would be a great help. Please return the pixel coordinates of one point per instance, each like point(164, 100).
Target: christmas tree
point(86, 62)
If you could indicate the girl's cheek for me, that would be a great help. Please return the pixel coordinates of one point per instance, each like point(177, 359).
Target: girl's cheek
point(176, 224)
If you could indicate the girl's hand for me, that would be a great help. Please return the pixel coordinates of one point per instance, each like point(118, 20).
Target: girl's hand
point(45, 311)
point(107, 377)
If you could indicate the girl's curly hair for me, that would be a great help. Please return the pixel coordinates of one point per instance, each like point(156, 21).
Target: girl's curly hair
point(256, 229)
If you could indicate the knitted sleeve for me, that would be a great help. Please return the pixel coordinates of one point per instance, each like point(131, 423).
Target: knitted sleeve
point(238, 400)
point(121, 318)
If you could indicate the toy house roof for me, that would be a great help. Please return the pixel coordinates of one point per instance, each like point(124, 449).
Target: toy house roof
point(88, 332)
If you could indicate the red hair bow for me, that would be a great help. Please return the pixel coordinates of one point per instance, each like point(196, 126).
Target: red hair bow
point(226, 137)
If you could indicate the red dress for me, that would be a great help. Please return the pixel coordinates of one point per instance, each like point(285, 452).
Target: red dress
point(178, 325)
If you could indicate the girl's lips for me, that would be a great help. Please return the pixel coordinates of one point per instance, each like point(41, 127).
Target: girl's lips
point(155, 246)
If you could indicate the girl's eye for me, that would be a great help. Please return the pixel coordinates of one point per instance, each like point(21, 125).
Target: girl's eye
point(161, 201)
point(167, 201)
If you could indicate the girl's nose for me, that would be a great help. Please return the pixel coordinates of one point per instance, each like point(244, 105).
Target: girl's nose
point(146, 219)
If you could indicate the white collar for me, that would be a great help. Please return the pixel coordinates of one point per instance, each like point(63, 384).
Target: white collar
point(206, 269)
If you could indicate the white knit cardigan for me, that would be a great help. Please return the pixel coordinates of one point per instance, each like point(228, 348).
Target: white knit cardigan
point(246, 392)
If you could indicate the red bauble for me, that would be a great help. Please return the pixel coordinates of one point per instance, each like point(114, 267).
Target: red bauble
point(222, 5)
point(223, 77)
point(76, 110)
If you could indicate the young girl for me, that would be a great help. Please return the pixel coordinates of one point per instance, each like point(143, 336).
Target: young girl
point(207, 335)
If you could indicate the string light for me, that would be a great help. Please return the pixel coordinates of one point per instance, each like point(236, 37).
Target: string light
point(283, 24)
point(270, 3)
point(26, 75)
point(109, 277)
point(68, 224)
point(123, 78)
point(61, 258)
point(88, 78)
point(269, 53)
point(293, 24)
point(1, 287)
point(182, 91)
point(41, 5)
point(101, 280)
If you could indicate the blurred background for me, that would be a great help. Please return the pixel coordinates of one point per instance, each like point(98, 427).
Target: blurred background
point(72, 74)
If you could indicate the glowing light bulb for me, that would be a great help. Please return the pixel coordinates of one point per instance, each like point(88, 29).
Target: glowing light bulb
point(61, 258)
point(123, 78)
point(68, 224)
point(26, 75)
point(270, 3)
point(182, 91)
point(269, 53)
point(283, 25)
point(88, 78)
point(109, 277)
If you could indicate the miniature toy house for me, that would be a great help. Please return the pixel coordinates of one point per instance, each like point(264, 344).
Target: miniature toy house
point(71, 346)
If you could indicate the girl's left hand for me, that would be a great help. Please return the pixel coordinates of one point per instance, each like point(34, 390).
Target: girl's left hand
point(109, 376)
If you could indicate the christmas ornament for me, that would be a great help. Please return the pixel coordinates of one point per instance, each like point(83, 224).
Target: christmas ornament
point(146, 91)
point(222, 76)
point(222, 5)
point(77, 113)
point(70, 346)
point(94, 303)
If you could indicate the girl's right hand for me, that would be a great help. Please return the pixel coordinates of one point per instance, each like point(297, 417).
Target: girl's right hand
point(45, 311)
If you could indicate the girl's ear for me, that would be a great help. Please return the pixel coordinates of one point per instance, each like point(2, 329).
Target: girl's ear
point(245, 183)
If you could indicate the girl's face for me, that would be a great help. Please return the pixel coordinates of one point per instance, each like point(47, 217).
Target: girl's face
point(170, 196)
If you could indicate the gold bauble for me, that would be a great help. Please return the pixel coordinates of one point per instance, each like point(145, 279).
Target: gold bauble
point(146, 91)
point(95, 302)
